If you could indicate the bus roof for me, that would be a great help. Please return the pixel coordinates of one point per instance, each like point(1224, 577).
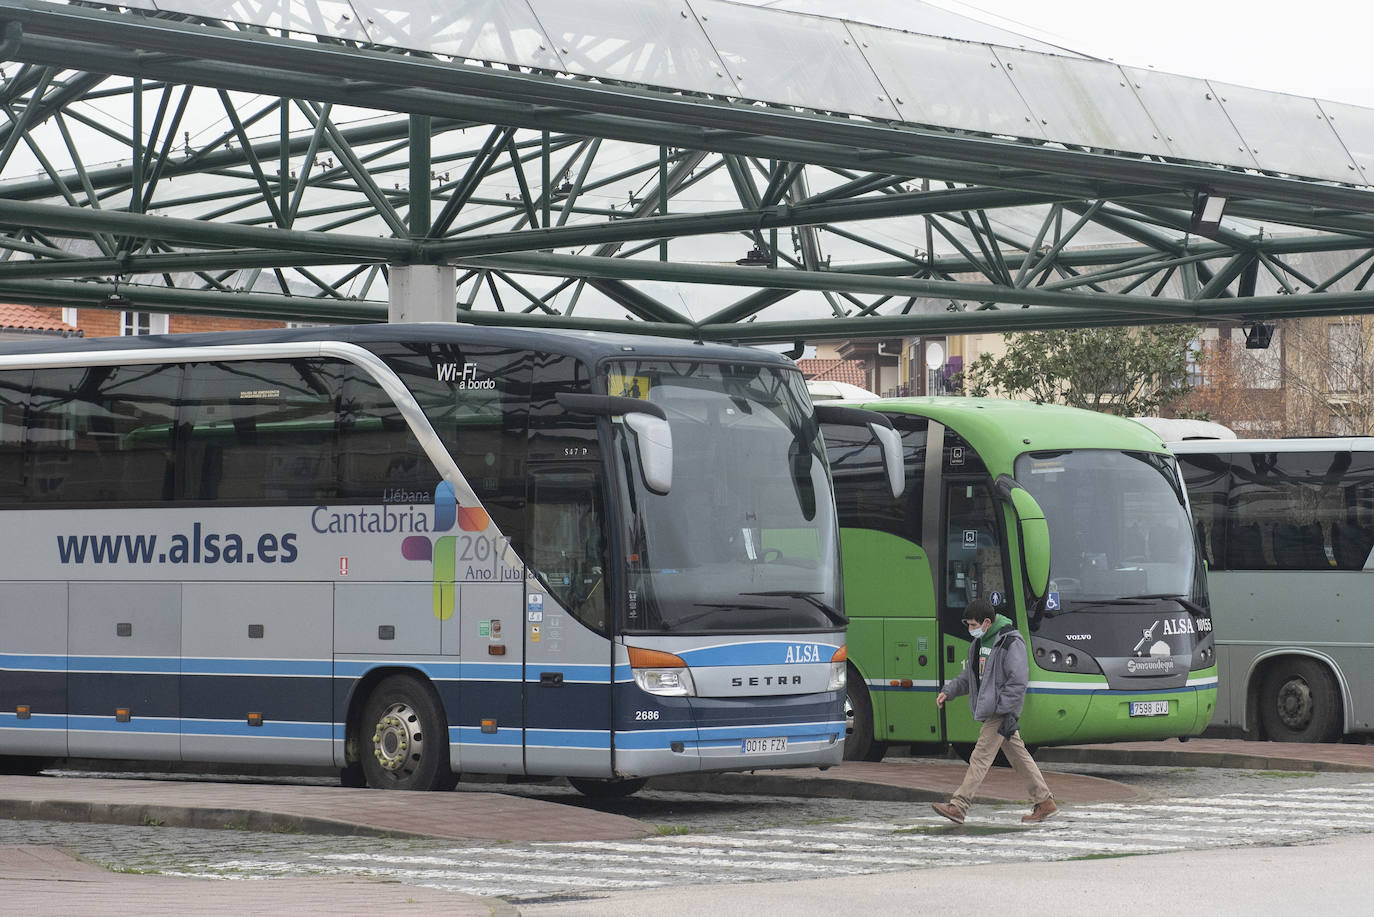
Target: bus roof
point(1297, 444)
point(1001, 429)
point(1177, 429)
point(587, 345)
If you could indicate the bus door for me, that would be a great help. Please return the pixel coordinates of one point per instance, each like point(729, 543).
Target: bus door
point(974, 567)
point(568, 670)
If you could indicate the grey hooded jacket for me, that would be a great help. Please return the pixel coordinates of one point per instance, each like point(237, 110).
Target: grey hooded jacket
point(1002, 689)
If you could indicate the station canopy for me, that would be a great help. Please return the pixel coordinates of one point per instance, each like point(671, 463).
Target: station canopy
point(703, 168)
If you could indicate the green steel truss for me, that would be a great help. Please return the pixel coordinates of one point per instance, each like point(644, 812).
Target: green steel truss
point(199, 166)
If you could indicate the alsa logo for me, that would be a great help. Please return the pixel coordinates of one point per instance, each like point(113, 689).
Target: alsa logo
point(803, 652)
point(1186, 626)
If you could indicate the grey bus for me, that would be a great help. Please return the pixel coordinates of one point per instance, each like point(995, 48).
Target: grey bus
point(1287, 527)
point(416, 551)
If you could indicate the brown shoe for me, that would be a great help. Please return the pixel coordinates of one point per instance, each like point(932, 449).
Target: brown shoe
point(949, 811)
point(1042, 811)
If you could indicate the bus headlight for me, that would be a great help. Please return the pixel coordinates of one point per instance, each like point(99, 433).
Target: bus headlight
point(838, 665)
point(1060, 657)
point(661, 673)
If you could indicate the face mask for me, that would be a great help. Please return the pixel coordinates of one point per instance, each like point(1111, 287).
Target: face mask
point(977, 632)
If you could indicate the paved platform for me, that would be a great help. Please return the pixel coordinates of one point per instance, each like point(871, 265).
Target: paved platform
point(44, 881)
point(1270, 756)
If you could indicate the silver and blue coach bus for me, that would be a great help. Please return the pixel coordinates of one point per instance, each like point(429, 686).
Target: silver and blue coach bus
point(411, 552)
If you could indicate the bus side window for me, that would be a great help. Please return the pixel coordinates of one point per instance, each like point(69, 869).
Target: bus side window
point(1208, 478)
point(260, 431)
point(379, 458)
point(100, 435)
point(477, 399)
point(865, 500)
point(1351, 544)
point(1244, 548)
point(14, 398)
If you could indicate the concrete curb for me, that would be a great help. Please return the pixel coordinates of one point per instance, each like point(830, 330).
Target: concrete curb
point(182, 816)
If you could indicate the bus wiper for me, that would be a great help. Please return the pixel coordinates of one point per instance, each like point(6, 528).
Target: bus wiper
point(1073, 606)
point(829, 611)
point(1192, 609)
point(713, 607)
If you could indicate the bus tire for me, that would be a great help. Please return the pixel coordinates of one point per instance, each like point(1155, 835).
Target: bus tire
point(858, 720)
point(404, 737)
point(1300, 702)
point(595, 788)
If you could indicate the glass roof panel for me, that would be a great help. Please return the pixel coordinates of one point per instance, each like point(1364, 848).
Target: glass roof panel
point(1082, 102)
point(503, 31)
point(1194, 124)
point(1286, 133)
point(658, 44)
point(916, 16)
point(334, 18)
point(946, 83)
point(793, 59)
point(1355, 127)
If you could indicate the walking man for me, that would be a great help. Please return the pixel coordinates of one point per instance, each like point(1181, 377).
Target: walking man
point(995, 679)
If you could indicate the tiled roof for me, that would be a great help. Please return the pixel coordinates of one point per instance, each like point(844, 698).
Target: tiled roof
point(850, 371)
point(31, 318)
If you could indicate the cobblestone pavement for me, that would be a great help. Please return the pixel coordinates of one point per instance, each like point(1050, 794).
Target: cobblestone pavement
point(716, 838)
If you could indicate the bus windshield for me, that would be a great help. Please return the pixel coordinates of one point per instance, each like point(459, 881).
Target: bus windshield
point(745, 538)
point(1120, 532)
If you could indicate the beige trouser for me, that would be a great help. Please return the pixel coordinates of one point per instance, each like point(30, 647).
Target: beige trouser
point(985, 752)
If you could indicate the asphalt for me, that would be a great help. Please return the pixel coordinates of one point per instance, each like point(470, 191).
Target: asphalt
point(44, 880)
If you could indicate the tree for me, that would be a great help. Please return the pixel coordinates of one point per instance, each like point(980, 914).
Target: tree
point(1126, 371)
point(1240, 388)
point(1315, 378)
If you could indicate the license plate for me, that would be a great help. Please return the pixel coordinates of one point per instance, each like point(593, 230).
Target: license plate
point(764, 746)
point(1150, 708)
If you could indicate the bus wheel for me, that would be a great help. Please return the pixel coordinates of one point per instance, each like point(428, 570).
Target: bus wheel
point(1300, 702)
point(404, 737)
point(858, 721)
point(594, 788)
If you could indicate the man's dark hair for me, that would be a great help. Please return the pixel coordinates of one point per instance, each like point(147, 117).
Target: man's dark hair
point(979, 610)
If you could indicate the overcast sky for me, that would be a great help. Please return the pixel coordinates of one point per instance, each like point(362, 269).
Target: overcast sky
point(1316, 48)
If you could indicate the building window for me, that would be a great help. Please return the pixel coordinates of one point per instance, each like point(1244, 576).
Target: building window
point(1343, 346)
point(142, 323)
point(1200, 349)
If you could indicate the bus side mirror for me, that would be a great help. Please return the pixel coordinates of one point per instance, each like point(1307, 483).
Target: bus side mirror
point(891, 443)
point(1034, 534)
point(654, 438)
point(889, 440)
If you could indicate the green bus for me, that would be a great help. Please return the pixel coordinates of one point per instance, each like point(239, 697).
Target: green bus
point(1073, 524)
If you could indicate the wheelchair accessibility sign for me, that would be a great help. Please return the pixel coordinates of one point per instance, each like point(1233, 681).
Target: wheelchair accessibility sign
point(1052, 601)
